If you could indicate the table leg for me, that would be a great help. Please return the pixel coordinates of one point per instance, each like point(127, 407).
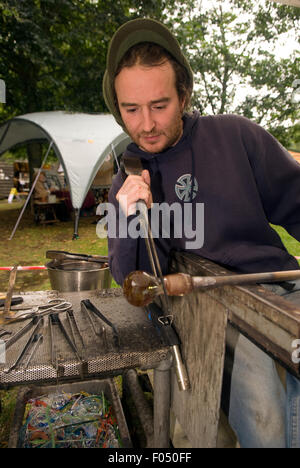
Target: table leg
point(162, 403)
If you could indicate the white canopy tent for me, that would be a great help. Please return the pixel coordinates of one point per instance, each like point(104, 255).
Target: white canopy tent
point(80, 141)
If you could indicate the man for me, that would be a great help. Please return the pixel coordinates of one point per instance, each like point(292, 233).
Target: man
point(241, 174)
point(41, 189)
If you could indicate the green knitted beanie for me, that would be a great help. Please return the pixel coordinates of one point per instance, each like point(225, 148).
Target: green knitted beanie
point(129, 34)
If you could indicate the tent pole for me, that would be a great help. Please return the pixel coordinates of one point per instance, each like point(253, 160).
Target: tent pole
point(115, 155)
point(30, 193)
point(77, 214)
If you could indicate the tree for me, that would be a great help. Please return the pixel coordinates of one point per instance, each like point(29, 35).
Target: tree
point(232, 49)
point(53, 53)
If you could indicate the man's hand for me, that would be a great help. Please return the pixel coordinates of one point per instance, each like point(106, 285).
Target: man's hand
point(135, 188)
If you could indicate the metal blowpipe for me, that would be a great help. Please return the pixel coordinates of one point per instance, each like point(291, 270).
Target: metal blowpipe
point(141, 288)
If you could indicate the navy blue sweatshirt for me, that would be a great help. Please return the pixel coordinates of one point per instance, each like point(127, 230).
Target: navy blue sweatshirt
point(245, 179)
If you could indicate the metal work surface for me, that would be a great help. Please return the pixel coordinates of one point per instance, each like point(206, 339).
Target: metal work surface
point(53, 361)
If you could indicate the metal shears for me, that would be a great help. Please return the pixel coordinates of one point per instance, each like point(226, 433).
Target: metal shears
point(53, 306)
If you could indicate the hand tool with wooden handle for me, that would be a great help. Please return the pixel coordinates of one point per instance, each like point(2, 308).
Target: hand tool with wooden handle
point(11, 284)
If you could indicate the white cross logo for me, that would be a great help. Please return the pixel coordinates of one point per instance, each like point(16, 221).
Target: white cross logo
point(183, 188)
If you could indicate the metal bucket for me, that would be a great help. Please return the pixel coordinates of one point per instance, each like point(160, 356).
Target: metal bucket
point(78, 276)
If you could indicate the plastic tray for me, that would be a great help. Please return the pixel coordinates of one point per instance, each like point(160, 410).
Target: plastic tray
point(95, 387)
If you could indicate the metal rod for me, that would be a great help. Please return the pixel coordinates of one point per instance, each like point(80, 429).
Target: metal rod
point(181, 283)
point(246, 278)
point(30, 193)
point(115, 156)
point(180, 369)
point(72, 317)
point(56, 319)
point(26, 347)
point(152, 253)
point(142, 406)
point(24, 268)
point(76, 223)
point(52, 346)
point(162, 404)
point(144, 222)
point(134, 166)
point(37, 340)
point(20, 333)
point(181, 372)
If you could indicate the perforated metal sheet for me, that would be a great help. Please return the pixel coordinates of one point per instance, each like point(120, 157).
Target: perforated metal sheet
point(140, 345)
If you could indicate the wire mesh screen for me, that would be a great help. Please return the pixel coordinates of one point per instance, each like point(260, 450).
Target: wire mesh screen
point(96, 353)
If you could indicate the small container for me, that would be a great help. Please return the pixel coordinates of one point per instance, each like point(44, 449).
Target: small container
point(70, 276)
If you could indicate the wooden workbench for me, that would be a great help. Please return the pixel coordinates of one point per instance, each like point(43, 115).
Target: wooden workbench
point(200, 319)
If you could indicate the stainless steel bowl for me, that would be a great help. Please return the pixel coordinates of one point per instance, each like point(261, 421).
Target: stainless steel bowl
point(78, 276)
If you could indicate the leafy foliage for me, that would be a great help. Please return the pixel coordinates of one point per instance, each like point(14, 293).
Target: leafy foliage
point(53, 52)
point(53, 55)
point(232, 49)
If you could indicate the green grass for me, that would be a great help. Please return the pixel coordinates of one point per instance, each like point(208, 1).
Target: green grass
point(8, 401)
point(291, 244)
point(31, 241)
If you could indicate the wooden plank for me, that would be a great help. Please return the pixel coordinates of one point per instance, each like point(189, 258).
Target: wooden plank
point(200, 321)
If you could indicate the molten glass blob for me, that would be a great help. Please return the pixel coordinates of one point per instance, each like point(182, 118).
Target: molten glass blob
point(140, 288)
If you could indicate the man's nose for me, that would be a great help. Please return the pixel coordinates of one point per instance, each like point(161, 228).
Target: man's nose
point(148, 121)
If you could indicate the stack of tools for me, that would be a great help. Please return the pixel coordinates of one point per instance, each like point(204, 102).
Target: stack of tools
point(55, 323)
point(34, 326)
point(34, 318)
point(63, 420)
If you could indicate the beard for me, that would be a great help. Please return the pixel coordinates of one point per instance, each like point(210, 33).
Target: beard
point(158, 140)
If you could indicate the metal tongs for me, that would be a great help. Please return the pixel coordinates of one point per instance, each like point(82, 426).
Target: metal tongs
point(133, 166)
point(61, 255)
point(87, 306)
point(31, 345)
point(36, 315)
